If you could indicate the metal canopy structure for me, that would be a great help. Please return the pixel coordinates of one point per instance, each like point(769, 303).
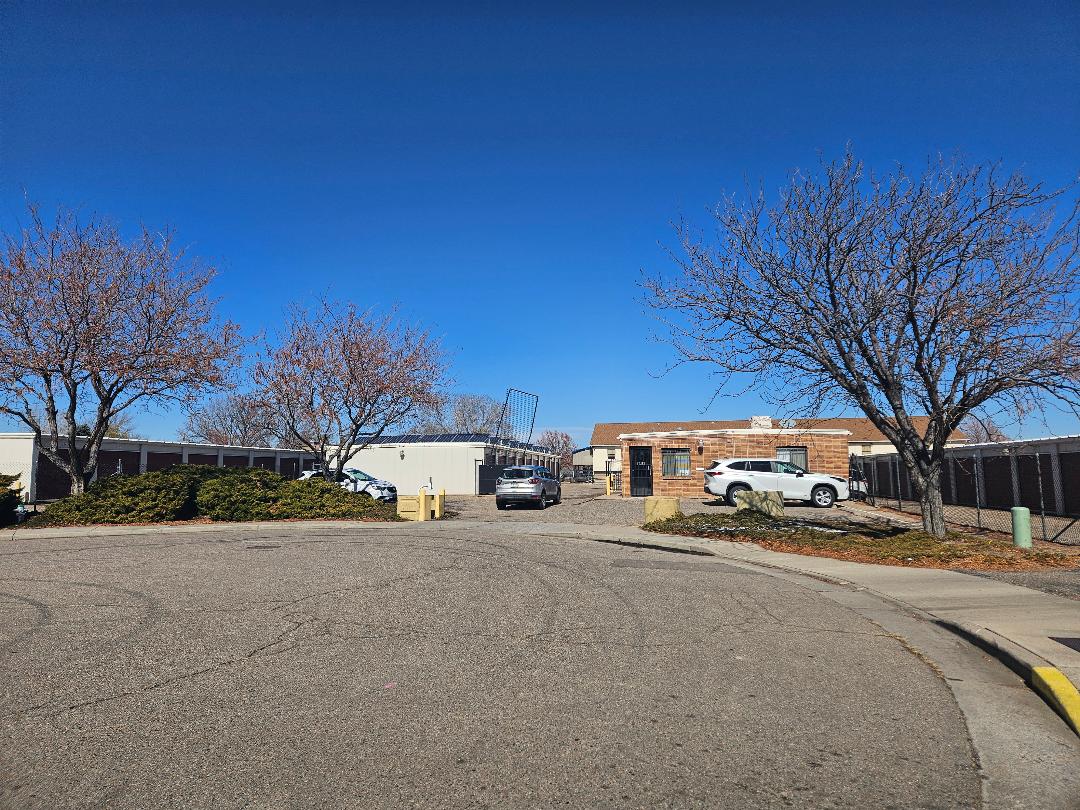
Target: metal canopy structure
point(518, 416)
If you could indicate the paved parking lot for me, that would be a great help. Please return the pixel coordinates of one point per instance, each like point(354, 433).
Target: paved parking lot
point(586, 504)
point(449, 665)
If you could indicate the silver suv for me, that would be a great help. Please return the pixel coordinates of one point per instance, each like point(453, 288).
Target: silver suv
point(534, 485)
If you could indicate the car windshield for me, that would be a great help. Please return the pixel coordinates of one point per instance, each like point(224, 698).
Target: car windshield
point(517, 473)
point(360, 475)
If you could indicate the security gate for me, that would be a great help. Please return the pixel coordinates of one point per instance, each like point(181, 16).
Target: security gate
point(640, 471)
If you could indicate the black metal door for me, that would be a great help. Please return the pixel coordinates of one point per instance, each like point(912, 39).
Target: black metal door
point(640, 471)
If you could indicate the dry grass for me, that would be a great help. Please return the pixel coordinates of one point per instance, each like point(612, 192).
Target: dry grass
point(883, 544)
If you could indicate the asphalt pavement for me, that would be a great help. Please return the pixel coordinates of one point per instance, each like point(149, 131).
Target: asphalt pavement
point(452, 665)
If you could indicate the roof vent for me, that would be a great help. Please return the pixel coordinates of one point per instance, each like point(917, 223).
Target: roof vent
point(761, 423)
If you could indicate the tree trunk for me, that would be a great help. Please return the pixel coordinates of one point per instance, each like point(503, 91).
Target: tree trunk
point(78, 484)
point(933, 510)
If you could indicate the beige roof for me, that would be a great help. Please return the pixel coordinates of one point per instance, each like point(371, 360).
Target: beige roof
point(861, 428)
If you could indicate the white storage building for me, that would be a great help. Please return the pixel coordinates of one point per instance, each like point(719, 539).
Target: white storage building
point(460, 463)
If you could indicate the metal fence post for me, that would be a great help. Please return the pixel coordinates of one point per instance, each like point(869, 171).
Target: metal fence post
point(977, 458)
point(899, 492)
point(1014, 471)
point(1042, 499)
point(1055, 478)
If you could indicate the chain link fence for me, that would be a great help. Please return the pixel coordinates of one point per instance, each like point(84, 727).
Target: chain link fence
point(16, 469)
point(981, 483)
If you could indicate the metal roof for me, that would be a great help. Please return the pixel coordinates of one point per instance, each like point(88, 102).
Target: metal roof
point(459, 438)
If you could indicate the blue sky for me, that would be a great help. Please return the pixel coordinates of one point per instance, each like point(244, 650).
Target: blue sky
point(497, 172)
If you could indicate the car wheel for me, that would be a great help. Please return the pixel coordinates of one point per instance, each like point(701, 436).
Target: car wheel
point(822, 497)
point(543, 500)
point(500, 505)
point(733, 493)
point(558, 495)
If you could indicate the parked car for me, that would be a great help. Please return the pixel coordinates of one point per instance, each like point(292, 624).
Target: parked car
point(527, 484)
point(730, 477)
point(356, 480)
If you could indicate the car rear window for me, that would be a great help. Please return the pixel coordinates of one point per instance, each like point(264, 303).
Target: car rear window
point(737, 465)
point(517, 474)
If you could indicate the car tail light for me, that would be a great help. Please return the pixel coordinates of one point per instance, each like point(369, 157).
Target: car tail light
point(534, 480)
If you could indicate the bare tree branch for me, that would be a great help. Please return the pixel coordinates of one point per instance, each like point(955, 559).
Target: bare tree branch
point(939, 294)
point(92, 325)
point(340, 377)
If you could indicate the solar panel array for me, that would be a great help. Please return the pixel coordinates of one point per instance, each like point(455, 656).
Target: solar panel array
point(449, 438)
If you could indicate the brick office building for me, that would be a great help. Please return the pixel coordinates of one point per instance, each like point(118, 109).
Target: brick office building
point(672, 462)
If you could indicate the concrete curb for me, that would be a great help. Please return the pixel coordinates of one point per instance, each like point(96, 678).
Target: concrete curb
point(105, 530)
point(1059, 692)
point(1052, 685)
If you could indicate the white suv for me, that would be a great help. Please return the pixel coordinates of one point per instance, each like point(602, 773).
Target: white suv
point(730, 476)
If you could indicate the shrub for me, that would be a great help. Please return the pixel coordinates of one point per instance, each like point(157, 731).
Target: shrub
point(248, 496)
point(187, 491)
point(316, 498)
point(9, 500)
point(149, 498)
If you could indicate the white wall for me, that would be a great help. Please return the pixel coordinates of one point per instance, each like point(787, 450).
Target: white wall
point(445, 465)
point(882, 448)
point(600, 459)
point(17, 458)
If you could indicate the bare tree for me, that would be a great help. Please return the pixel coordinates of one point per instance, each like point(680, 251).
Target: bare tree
point(938, 294)
point(236, 419)
point(340, 377)
point(560, 444)
point(122, 426)
point(463, 413)
point(981, 429)
point(92, 325)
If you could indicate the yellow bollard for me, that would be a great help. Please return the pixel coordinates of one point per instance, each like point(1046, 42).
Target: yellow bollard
point(423, 500)
point(440, 504)
point(607, 484)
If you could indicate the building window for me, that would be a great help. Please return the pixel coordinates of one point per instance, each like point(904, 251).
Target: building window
point(793, 455)
point(611, 455)
point(676, 462)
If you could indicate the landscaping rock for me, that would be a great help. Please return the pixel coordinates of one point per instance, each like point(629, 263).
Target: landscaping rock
point(769, 503)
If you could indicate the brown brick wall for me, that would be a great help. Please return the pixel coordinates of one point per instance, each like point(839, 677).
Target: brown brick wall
point(826, 454)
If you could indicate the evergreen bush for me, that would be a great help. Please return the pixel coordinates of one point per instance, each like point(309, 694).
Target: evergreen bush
point(9, 500)
point(188, 491)
point(317, 498)
point(250, 496)
point(153, 497)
